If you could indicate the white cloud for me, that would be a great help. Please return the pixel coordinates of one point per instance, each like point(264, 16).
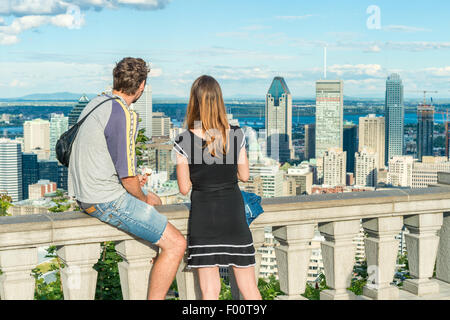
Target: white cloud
point(400, 28)
point(294, 18)
point(372, 70)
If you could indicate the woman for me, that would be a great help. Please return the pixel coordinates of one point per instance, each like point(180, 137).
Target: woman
point(211, 157)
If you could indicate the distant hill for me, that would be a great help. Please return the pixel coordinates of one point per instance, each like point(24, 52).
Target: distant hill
point(55, 96)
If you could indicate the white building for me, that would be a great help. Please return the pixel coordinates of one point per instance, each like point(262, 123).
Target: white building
point(58, 125)
point(400, 171)
point(160, 125)
point(144, 108)
point(36, 135)
point(272, 179)
point(334, 167)
point(11, 169)
point(372, 137)
point(425, 173)
point(366, 168)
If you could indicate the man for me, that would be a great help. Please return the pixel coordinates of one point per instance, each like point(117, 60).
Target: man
point(103, 175)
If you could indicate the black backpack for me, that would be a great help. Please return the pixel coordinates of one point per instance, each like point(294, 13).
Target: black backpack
point(63, 146)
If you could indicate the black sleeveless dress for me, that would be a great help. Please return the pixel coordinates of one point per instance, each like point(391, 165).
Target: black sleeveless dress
point(218, 234)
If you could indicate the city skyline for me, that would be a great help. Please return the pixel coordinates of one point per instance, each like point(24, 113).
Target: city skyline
point(49, 48)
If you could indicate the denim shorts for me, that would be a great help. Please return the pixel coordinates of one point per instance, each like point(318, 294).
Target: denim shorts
point(132, 215)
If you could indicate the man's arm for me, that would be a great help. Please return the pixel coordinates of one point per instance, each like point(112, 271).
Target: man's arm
point(133, 186)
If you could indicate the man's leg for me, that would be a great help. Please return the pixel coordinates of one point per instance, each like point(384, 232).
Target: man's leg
point(173, 246)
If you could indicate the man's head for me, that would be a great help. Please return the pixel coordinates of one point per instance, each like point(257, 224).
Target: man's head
point(130, 75)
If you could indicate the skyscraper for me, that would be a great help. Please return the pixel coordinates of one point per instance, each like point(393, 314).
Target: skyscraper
point(372, 137)
point(394, 114)
point(30, 172)
point(144, 108)
point(350, 137)
point(334, 166)
point(58, 125)
point(310, 141)
point(77, 109)
point(36, 134)
point(329, 115)
point(278, 113)
point(11, 169)
point(425, 126)
point(365, 168)
point(160, 125)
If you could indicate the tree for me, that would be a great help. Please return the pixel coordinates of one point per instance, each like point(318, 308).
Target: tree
point(5, 203)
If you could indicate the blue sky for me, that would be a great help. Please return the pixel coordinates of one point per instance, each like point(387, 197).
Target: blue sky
point(49, 46)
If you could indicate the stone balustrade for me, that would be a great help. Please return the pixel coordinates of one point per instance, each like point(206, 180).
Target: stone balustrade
point(424, 212)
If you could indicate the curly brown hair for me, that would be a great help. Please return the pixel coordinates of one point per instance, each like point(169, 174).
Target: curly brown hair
point(129, 74)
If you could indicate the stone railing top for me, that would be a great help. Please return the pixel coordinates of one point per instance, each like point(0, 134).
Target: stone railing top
point(76, 227)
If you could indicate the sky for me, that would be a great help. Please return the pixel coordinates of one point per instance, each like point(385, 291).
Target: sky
point(51, 46)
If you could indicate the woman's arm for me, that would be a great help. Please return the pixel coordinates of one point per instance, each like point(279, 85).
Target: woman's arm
point(243, 170)
point(183, 177)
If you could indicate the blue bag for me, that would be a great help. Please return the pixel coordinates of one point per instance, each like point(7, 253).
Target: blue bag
point(252, 203)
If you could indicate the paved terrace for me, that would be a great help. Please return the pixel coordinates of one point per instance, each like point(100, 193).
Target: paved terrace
point(425, 212)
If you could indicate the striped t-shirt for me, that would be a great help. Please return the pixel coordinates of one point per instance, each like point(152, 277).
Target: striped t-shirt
point(103, 151)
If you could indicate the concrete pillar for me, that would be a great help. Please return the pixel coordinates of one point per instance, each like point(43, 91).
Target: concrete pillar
point(422, 245)
point(188, 283)
point(258, 241)
point(381, 254)
point(443, 257)
point(338, 254)
point(78, 278)
point(16, 281)
point(293, 257)
point(135, 268)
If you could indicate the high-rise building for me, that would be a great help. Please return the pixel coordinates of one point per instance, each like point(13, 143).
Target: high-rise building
point(63, 176)
point(365, 169)
point(329, 115)
point(278, 112)
point(144, 108)
point(303, 176)
point(371, 137)
point(40, 189)
point(447, 139)
point(11, 169)
point(334, 166)
point(272, 179)
point(77, 109)
point(36, 134)
point(58, 125)
point(30, 172)
point(350, 144)
point(425, 173)
point(310, 141)
point(160, 125)
point(157, 156)
point(395, 114)
point(425, 126)
point(48, 170)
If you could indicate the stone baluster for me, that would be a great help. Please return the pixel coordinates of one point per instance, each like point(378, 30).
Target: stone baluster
point(443, 258)
point(258, 241)
point(381, 254)
point(78, 278)
point(135, 268)
point(293, 257)
point(338, 253)
point(187, 282)
point(422, 245)
point(16, 281)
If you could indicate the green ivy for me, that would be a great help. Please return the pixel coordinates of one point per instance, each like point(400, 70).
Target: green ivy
point(108, 279)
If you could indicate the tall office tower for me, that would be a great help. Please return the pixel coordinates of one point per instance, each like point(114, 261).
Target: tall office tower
point(11, 169)
point(158, 156)
point(371, 137)
point(350, 144)
point(278, 113)
point(334, 165)
point(310, 141)
point(58, 125)
point(30, 172)
point(160, 125)
point(447, 139)
point(329, 115)
point(394, 113)
point(77, 109)
point(48, 170)
point(366, 168)
point(144, 108)
point(425, 126)
point(400, 171)
point(272, 179)
point(36, 134)
point(63, 176)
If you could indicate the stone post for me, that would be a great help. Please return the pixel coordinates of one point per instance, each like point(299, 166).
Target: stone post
point(293, 258)
point(443, 257)
point(338, 253)
point(422, 246)
point(78, 277)
point(381, 254)
point(135, 268)
point(16, 281)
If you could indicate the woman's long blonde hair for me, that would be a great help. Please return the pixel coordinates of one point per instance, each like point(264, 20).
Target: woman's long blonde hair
point(206, 105)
